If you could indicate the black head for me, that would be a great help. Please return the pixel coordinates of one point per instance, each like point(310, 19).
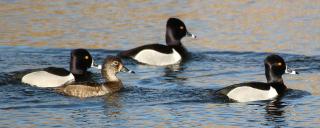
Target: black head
point(275, 67)
point(176, 30)
point(80, 61)
point(112, 65)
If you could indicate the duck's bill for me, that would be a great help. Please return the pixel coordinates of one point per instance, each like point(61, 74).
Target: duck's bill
point(125, 69)
point(94, 65)
point(290, 71)
point(191, 35)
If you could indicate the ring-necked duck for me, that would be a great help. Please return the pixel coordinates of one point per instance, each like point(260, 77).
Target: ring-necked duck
point(111, 66)
point(161, 55)
point(80, 61)
point(275, 67)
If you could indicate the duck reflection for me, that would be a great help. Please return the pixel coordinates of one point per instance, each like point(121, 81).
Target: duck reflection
point(113, 105)
point(172, 74)
point(275, 113)
point(174, 68)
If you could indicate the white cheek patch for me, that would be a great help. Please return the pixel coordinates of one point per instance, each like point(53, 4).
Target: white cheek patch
point(246, 94)
point(44, 79)
point(153, 57)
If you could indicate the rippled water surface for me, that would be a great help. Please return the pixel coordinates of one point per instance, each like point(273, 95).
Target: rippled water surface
point(234, 38)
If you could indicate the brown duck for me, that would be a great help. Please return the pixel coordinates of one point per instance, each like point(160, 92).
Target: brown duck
point(111, 66)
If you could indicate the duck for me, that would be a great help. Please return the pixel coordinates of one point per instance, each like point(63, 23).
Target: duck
point(111, 66)
point(80, 61)
point(162, 55)
point(275, 67)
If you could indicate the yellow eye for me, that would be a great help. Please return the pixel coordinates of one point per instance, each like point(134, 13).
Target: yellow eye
point(181, 27)
point(86, 57)
point(279, 64)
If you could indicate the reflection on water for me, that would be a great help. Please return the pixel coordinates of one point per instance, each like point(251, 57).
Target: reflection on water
point(275, 114)
point(112, 106)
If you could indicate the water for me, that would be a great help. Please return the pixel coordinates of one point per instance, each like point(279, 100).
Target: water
point(234, 38)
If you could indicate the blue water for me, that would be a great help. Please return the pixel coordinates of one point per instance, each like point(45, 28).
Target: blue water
point(180, 96)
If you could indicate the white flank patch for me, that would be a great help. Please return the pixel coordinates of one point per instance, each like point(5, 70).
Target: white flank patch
point(246, 94)
point(44, 79)
point(153, 57)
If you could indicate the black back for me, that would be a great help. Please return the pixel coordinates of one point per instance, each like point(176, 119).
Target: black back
point(157, 47)
point(57, 71)
point(80, 61)
point(257, 85)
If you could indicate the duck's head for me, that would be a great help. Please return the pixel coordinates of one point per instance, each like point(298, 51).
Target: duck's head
point(275, 67)
point(112, 65)
point(80, 61)
point(176, 30)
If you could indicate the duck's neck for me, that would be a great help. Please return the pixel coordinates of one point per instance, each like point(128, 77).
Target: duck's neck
point(176, 44)
point(181, 50)
point(171, 40)
point(276, 82)
point(111, 77)
point(82, 77)
point(271, 79)
point(280, 87)
point(76, 69)
point(271, 76)
point(113, 84)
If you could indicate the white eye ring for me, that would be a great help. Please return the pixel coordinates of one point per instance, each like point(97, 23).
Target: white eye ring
point(115, 63)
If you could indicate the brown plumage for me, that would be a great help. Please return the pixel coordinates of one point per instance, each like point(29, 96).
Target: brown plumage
point(112, 65)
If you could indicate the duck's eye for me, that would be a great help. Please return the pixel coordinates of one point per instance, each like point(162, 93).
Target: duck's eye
point(181, 27)
point(86, 57)
point(279, 64)
point(115, 63)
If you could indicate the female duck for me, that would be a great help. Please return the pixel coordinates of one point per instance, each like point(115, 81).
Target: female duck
point(275, 67)
point(161, 55)
point(80, 61)
point(112, 65)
